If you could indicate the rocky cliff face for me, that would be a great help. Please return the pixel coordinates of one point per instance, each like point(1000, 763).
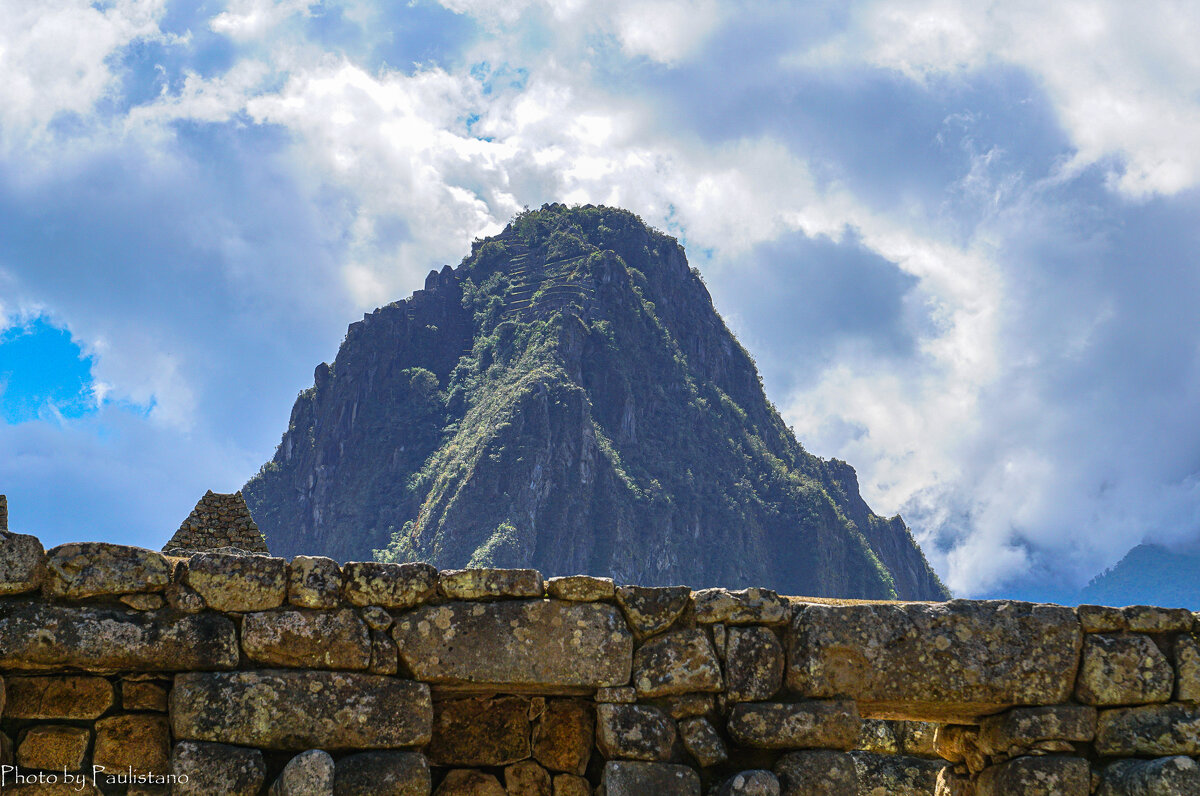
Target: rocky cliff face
point(568, 399)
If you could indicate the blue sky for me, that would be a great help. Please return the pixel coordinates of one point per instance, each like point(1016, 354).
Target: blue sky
point(960, 238)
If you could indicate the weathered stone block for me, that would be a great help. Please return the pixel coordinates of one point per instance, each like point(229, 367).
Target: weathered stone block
point(314, 582)
point(1164, 776)
point(64, 697)
point(213, 768)
point(652, 609)
point(1152, 619)
point(953, 783)
point(1023, 728)
point(527, 778)
point(53, 747)
point(960, 744)
point(39, 636)
point(581, 588)
point(1187, 669)
point(703, 742)
point(949, 661)
point(385, 655)
point(1149, 731)
point(469, 782)
point(896, 775)
point(916, 738)
point(143, 602)
point(753, 664)
point(389, 585)
point(1101, 619)
point(634, 732)
point(144, 695)
point(298, 710)
point(571, 785)
point(617, 695)
point(1123, 669)
point(879, 736)
point(817, 773)
point(238, 583)
point(135, 740)
point(94, 569)
point(622, 778)
point(307, 638)
point(676, 663)
point(545, 643)
point(564, 734)
point(683, 706)
point(480, 732)
point(307, 774)
point(382, 774)
point(810, 724)
point(22, 563)
point(490, 584)
point(748, 606)
point(756, 782)
point(1047, 775)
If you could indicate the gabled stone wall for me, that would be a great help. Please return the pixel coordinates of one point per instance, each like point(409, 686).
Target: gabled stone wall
point(133, 672)
point(220, 521)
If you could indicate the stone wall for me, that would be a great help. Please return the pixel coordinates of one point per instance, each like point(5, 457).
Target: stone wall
point(3, 513)
point(219, 522)
point(224, 674)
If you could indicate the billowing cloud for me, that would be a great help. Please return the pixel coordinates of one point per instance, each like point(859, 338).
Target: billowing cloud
point(955, 234)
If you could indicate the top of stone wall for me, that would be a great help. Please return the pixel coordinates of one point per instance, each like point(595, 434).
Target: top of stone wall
point(219, 521)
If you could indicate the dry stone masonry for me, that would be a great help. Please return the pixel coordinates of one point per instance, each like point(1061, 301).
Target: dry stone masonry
point(219, 522)
point(127, 671)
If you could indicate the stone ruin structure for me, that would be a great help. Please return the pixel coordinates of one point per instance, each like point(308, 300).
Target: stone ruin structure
point(140, 673)
point(219, 522)
point(3, 513)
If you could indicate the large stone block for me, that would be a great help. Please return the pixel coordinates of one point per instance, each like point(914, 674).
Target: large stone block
point(622, 778)
point(817, 773)
point(22, 563)
point(238, 583)
point(810, 724)
point(314, 582)
point(703, 742)
point(490, 584)
point(951, 661)
point(581, 588)
point(1123, 669)
point(469, 782)
point(896, 775)
point(634, 732)
point(39, 636)
point(64, 697)
point(652, 609)
point(564, 734)
point(680, 662)
point(547, 644)
point(1164, 776)
point(299, 710)
point(390, 586)
point(480, 732)
point(1021, 729)
point(306, 638)
point(53, 747)
point(756, 782)
point(382, 774)
point(95, 569)
point(1187, 669)
point(748, 606)
point(1045, 775)
point(753, 664)
point(307, 774)
point(1149, 731)
point(136, 741)
point(212, 768)
point(527, 778)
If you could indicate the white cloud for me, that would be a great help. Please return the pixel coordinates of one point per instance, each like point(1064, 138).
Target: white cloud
point(1124, 78)
point(249, 19)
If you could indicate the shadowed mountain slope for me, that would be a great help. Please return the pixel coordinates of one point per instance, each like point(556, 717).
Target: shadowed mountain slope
point(568, 399)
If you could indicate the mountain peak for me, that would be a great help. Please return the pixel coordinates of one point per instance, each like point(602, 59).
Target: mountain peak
point(567, 398)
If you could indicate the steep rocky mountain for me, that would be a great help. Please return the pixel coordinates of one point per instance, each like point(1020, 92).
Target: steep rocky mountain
point(568, 399)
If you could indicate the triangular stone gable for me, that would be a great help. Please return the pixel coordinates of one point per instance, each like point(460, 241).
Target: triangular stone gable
point(219, 521)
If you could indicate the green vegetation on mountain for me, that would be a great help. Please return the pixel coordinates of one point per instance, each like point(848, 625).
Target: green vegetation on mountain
point(568, 399)
point(1149, 574)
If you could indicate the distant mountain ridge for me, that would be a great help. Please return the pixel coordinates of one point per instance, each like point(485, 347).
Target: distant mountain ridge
point(1149, 574)
point(568, 399)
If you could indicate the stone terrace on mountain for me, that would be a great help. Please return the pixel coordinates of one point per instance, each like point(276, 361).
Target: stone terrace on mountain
point(237, 674)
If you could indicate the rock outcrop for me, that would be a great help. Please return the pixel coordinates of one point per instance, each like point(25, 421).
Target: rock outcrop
point(569, 400)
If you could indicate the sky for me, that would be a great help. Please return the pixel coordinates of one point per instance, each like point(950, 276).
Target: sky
point(960, 237)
